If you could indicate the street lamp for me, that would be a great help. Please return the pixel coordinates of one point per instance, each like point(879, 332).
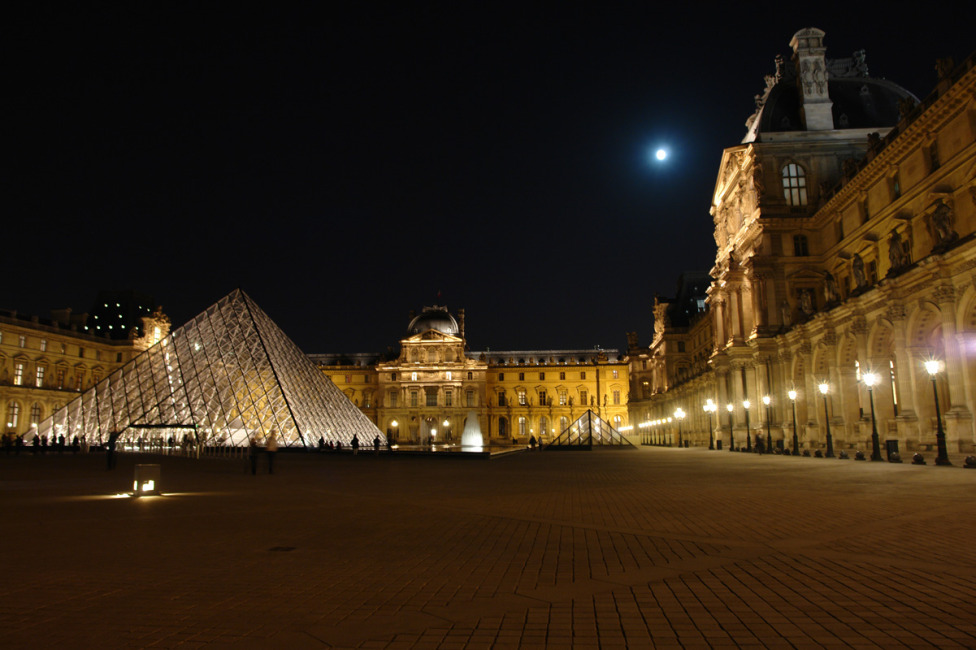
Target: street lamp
point(824, 387)
point(932, 367)
point(680, 415)
point(667, 433)
point(709, 407)
point(769, 437)
point(871, 380)
point(731, 428)
point(746, 404)
point(796, 441)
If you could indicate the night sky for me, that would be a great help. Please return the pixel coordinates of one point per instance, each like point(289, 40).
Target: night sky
point(345, 166)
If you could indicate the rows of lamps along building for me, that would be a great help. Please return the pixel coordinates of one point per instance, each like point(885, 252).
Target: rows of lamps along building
point(840, 314)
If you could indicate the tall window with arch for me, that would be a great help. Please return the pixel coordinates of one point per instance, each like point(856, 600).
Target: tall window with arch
point(794, 185)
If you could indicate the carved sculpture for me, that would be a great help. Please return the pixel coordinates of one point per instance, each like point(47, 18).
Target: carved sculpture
point(857, 270)
point(785, 313)
point(830, 288)
point(806, 301)
point(897, 251)
point(942, 224)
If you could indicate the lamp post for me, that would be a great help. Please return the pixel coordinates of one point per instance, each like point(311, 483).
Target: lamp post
point(769, 436)
point(731, 427)
point(796, 441)
point(680, 415)
point(709, 408)
point(932, 367)
point(870, 380)
point(824, 387)
point(396, 432)
point(668, 436)
point(746, 404)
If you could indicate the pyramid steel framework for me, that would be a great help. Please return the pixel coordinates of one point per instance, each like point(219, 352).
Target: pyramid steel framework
point(587, 431)
point(228, 373)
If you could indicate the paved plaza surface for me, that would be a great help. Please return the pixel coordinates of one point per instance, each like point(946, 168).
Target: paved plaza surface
point(645, 548)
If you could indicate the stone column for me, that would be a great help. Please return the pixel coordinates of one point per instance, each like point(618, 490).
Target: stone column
point(958, 416)
point(907, 420)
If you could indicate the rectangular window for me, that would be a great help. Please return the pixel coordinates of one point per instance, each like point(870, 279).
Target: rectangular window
point(801, 247)
point(562, 376)
point(18, 374)
point(450, 375)
point(81, 352)
point(348, 379)
point(616, 397)
point(393, 399)
point(501, 399)
point(469, 398)
point(616, 374)
point(40, 377)
point(521, 376)
point(542, 398)
point(501, 376)
point(392, 376)
point(583, 375)
point(448, 398)
point(521, 426)
point(22, 341)
point(413, 398)
point(542, 376)
point(521, 397)
point(118, 358)
point(60, 377)
point(681, 346)
point(431, 397)
point(43, 345)
point(470, 375)
point(413, 376)
point(583, 398)
point(563, 398)
point(79, 378)
point(365, 379)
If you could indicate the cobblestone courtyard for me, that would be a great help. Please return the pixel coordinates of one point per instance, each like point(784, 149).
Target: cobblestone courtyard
point(650, 548)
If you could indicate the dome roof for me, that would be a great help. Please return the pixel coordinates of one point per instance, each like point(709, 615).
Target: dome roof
point(433, 318)
point(858, 103)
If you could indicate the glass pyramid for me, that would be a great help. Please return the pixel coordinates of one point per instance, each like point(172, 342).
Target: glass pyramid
point(226, 374)
point(590, 430)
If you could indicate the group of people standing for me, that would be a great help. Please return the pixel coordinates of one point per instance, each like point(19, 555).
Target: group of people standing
point(270, 449)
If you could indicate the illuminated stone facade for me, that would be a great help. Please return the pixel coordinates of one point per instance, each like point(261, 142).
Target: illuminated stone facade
point(845, 249)
point(426, 391)
point(44, 363)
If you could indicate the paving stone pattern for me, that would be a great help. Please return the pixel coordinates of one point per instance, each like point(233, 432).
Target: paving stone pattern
point(654, 548)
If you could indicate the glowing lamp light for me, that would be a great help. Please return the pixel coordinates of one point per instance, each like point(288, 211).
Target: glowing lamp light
point(823, 388)
point(680, 414)
point(933, 366)
point(746, 404)
point(660, 154)
point(766, 400)
point(792, 395)
point(146, 480)
point(729, 407)
point(871, 379)
point(393, 424)
point(446, 423)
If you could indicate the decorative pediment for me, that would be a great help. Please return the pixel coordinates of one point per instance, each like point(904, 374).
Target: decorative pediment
point(433, 335)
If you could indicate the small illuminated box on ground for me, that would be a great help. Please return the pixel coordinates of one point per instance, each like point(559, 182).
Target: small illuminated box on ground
point(146, 480)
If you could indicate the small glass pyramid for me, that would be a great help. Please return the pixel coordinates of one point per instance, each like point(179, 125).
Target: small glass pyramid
point(590, 430)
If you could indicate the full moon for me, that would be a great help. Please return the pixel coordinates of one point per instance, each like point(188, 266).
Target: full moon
point(660, 154)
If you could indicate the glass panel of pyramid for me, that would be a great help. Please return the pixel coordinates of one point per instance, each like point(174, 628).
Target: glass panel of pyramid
point(225, 375)
point(590, 430)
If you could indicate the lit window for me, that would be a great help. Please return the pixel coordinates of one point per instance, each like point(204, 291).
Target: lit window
point(521, 397)
point(35, 414)
point(616, 397)
point(18, 374)
point(449, 375)
point(794, 185)
point(448, 398)
point(413, 398)
point(60, 377)
point(469, 398)
point(583, 398)
point(43, 345)
point(22, 340)
point(543, 400)
point(563, 398)
point(13, 414)
point(522, 423)
point(39, 379)
point(413, 376)
point(616, 374)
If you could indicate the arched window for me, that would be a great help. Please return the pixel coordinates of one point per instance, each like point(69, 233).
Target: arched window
point(563, 424)
point(543, 426)
point(794, 185)
point(617, 422)
point(35, 416)
point(521, 423)
point(13, 414)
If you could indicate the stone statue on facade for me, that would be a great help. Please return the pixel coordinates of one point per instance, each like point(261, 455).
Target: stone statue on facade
point(806, 302)
point(831, 292)
point(942, 225)
point(897, 251)
point(944, 67)
point(786, 313)
point(857, 270)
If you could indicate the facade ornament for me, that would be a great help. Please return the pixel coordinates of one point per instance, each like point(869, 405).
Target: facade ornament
point(944, 294)
point(897, 251)
point(874, 141)
point(831, 293)
point(941, 220)
point(944, 67)
point(905, 106)
point(849, 167)
point(859, 325)
point(857, 270)
point(829, 337)
point(806, 347)
point(895, 312)
point(758, 183)
point(786, 313)
point(806, 301)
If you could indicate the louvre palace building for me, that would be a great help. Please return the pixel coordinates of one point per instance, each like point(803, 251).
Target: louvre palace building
point(426, 391)
point(845, 233)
